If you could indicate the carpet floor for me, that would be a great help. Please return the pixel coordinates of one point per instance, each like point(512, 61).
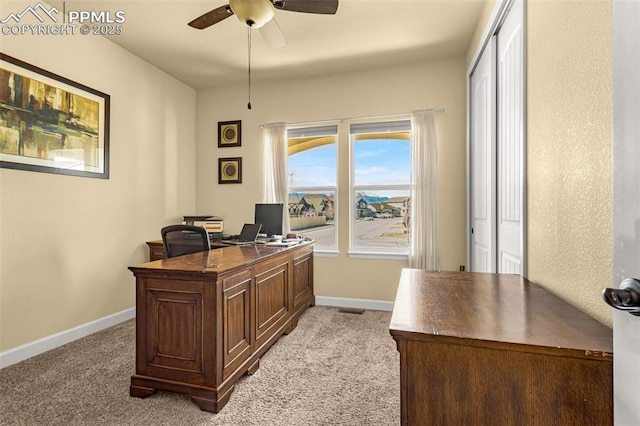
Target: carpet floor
point(334, 369)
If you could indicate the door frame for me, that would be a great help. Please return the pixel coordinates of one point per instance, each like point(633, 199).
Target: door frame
point(498, 15)
point(625, 225)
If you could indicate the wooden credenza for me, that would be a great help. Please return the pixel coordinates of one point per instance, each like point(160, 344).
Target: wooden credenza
point(156, 250)
point(490, 349)
point(204, 319)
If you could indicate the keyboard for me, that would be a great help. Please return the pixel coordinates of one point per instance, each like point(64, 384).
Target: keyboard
point(283, 243)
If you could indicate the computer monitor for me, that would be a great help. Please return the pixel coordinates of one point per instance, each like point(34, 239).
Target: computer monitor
point(270, 216)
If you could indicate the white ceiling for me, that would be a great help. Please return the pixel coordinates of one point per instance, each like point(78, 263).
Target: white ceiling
point(363, 34)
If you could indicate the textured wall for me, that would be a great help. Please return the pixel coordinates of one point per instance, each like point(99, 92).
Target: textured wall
point(569, 150)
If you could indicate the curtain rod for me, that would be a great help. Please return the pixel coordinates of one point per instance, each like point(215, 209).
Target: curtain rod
point(359, 118)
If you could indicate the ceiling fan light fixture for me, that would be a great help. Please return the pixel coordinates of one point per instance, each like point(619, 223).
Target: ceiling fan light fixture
point(254, 13)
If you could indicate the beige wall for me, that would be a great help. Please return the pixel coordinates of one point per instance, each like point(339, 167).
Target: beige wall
point(67, 241)
point(372, 93)
point(569, 149)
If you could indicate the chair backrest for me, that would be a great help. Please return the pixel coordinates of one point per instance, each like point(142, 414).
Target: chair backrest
point(184, 239)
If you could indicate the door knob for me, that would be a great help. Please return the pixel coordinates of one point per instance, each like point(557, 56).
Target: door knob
point(626, 297)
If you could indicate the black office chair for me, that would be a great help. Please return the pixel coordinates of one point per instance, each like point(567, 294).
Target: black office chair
point(184, 239)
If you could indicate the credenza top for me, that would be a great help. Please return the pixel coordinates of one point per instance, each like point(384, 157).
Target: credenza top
point(217, 261)
point(493, 309)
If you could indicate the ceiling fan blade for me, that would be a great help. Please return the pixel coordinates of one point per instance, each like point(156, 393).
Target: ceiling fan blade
point(212, 17)
point(272, 34)
point(326, 7)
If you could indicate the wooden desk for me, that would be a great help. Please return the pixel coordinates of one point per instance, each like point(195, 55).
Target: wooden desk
point(156, 249)
point(488, 349)
point(205, 319)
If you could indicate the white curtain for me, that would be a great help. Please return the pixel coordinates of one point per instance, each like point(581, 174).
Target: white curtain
point(274, 137)
point(423, 221)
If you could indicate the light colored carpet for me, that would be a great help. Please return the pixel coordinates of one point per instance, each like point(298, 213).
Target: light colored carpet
point(333, 369)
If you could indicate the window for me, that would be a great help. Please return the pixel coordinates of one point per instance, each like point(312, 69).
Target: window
point(381, 185)
point(312, 173)
point(379, 167)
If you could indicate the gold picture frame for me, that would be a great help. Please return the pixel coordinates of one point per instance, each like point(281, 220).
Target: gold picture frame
point(230, 170)
point(229, 133)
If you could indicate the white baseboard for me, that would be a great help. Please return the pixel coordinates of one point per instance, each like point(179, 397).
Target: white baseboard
point(342, 302)
point(20, 353)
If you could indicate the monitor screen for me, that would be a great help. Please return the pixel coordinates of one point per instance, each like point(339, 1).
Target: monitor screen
point(270, 217)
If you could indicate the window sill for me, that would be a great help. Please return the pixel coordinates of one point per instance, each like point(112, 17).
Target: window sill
point(325, 253)
point(378, 255)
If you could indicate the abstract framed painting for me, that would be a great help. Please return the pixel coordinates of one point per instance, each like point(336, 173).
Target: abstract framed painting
point(51, 124)
point(229, 133)
point(230, 170)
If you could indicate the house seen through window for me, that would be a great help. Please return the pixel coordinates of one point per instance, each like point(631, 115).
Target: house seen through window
point(381, 184)
point(312, 174)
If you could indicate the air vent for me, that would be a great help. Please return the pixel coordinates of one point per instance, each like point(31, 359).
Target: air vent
point(351, 311)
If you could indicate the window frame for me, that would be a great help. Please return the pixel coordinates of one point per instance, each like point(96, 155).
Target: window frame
point(377, 127)
point(333, 251)
point(345, 173)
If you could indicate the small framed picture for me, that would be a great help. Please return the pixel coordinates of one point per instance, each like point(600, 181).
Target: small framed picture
point(230, 170)
point(229, 133)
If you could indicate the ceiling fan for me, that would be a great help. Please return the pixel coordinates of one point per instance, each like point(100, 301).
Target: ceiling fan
point(259, 14)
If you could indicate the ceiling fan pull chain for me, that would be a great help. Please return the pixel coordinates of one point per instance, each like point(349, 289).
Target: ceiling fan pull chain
point(249, 68)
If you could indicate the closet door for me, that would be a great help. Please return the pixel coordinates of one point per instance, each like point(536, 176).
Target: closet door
point(483, 164)
point(510, 142)
point(497, 210)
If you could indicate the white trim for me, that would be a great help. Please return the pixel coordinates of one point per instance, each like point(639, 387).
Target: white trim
point(343, 302)
point(325, 253)
point(359, 254)
point(498, 14)
point(28, 350)
point(524, 241)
